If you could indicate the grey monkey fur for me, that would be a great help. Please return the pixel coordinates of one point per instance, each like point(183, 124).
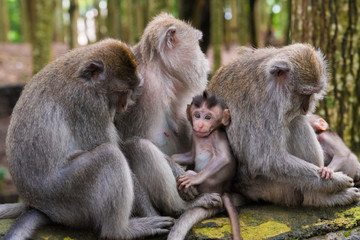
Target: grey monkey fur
point(174, 69)
point(268, 91)
point(62, 146)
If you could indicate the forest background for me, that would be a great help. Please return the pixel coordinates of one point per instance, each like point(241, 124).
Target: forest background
point(333, 26)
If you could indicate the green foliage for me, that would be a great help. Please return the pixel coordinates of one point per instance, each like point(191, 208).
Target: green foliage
point(14, 35)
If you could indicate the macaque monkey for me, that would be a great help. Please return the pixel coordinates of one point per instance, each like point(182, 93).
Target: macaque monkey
point(278, 153)
point(62, 147)
point(173, 69)
point(213, 162)
point(337, 156)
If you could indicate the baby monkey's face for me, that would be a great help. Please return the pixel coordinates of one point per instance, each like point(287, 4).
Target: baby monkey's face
point(205, 120)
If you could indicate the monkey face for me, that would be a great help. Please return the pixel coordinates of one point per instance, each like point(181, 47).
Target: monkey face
point(205, 120)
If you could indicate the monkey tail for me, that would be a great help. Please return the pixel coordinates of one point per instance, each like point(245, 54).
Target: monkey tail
point(190, 217)
point(233, 215)
point(11, 210)
point(26, 224)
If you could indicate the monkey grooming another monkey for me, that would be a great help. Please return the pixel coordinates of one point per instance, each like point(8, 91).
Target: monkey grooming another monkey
point(62, 146)
point(337, 156)
point(213, 162)
point(174, 69)
point(278, 154)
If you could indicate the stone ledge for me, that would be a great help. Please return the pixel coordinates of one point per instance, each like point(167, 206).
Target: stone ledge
point(258, 221)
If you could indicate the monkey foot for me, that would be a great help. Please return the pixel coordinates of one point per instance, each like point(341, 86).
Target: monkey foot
point(208, 200)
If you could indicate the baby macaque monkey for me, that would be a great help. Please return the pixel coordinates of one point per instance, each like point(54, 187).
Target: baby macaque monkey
point(212, 159)
point(337, 156)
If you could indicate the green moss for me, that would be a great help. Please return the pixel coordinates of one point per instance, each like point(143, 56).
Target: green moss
point(214, 228)
point(347, 233)
point(264, 230)
point(220, 228)
point(345, 220)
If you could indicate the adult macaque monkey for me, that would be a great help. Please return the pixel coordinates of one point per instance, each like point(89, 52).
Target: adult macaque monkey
point(279, 156)
point(337, 156)
point(174, 69)
point(213, 162)
point(62, 146)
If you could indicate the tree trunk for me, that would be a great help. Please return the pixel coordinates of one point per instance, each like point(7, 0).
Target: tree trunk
point(131, 22)
point(26, 19)
point(59, 22)
point(334, 27)
point(253, 24)
point(100, 27)
point(114, 18)
point(198, 14)
point(41, 47)
point(216, 9)
point(4, 21)
point(74, 14)
point(242, 14)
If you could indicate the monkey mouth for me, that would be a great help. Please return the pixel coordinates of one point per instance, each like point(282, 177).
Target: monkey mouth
point(201, 134)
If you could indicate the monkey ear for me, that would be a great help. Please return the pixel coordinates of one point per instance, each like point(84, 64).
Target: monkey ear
point(321, 124)
point(188, 115)
point(93, 70)
point(170, 37)
point(280, 69)
point(226, 117)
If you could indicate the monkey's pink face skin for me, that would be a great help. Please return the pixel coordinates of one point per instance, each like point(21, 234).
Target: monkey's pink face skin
point(205, 120)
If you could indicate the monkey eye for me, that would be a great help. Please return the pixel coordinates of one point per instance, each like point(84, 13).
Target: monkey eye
point(197, 115)
point(207, 117)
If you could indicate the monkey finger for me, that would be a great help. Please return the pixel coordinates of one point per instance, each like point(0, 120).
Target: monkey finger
point(327, 175)
point(323, 173)
point(182, 185)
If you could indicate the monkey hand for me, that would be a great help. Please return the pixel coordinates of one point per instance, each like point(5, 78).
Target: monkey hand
point(326, 173)
point(189, 179)
point(187, 194)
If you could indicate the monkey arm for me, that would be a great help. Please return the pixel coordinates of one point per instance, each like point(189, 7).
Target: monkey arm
point(294, 160)
point(191, 178)
point(183, 158)
point(215, 165)
point(304, 175)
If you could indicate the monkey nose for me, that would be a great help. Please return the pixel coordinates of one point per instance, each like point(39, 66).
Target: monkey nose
point(124, 107)
point(123, 103)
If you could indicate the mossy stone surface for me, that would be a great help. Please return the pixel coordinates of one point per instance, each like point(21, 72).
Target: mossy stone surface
point(257, 221)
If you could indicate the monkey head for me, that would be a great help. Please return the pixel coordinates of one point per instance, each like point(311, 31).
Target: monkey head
point(175, 44)
point(207, 113)
point(113, 74)
point(301, 70)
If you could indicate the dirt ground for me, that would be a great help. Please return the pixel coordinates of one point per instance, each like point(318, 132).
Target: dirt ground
point(16, 68)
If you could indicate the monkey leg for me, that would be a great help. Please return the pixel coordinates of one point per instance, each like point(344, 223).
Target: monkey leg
point(155, 175)
point(188, 219)
point(319, 199)
point(271, 191)
point(142, 205)
point(302, 142)
point(96, 190)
